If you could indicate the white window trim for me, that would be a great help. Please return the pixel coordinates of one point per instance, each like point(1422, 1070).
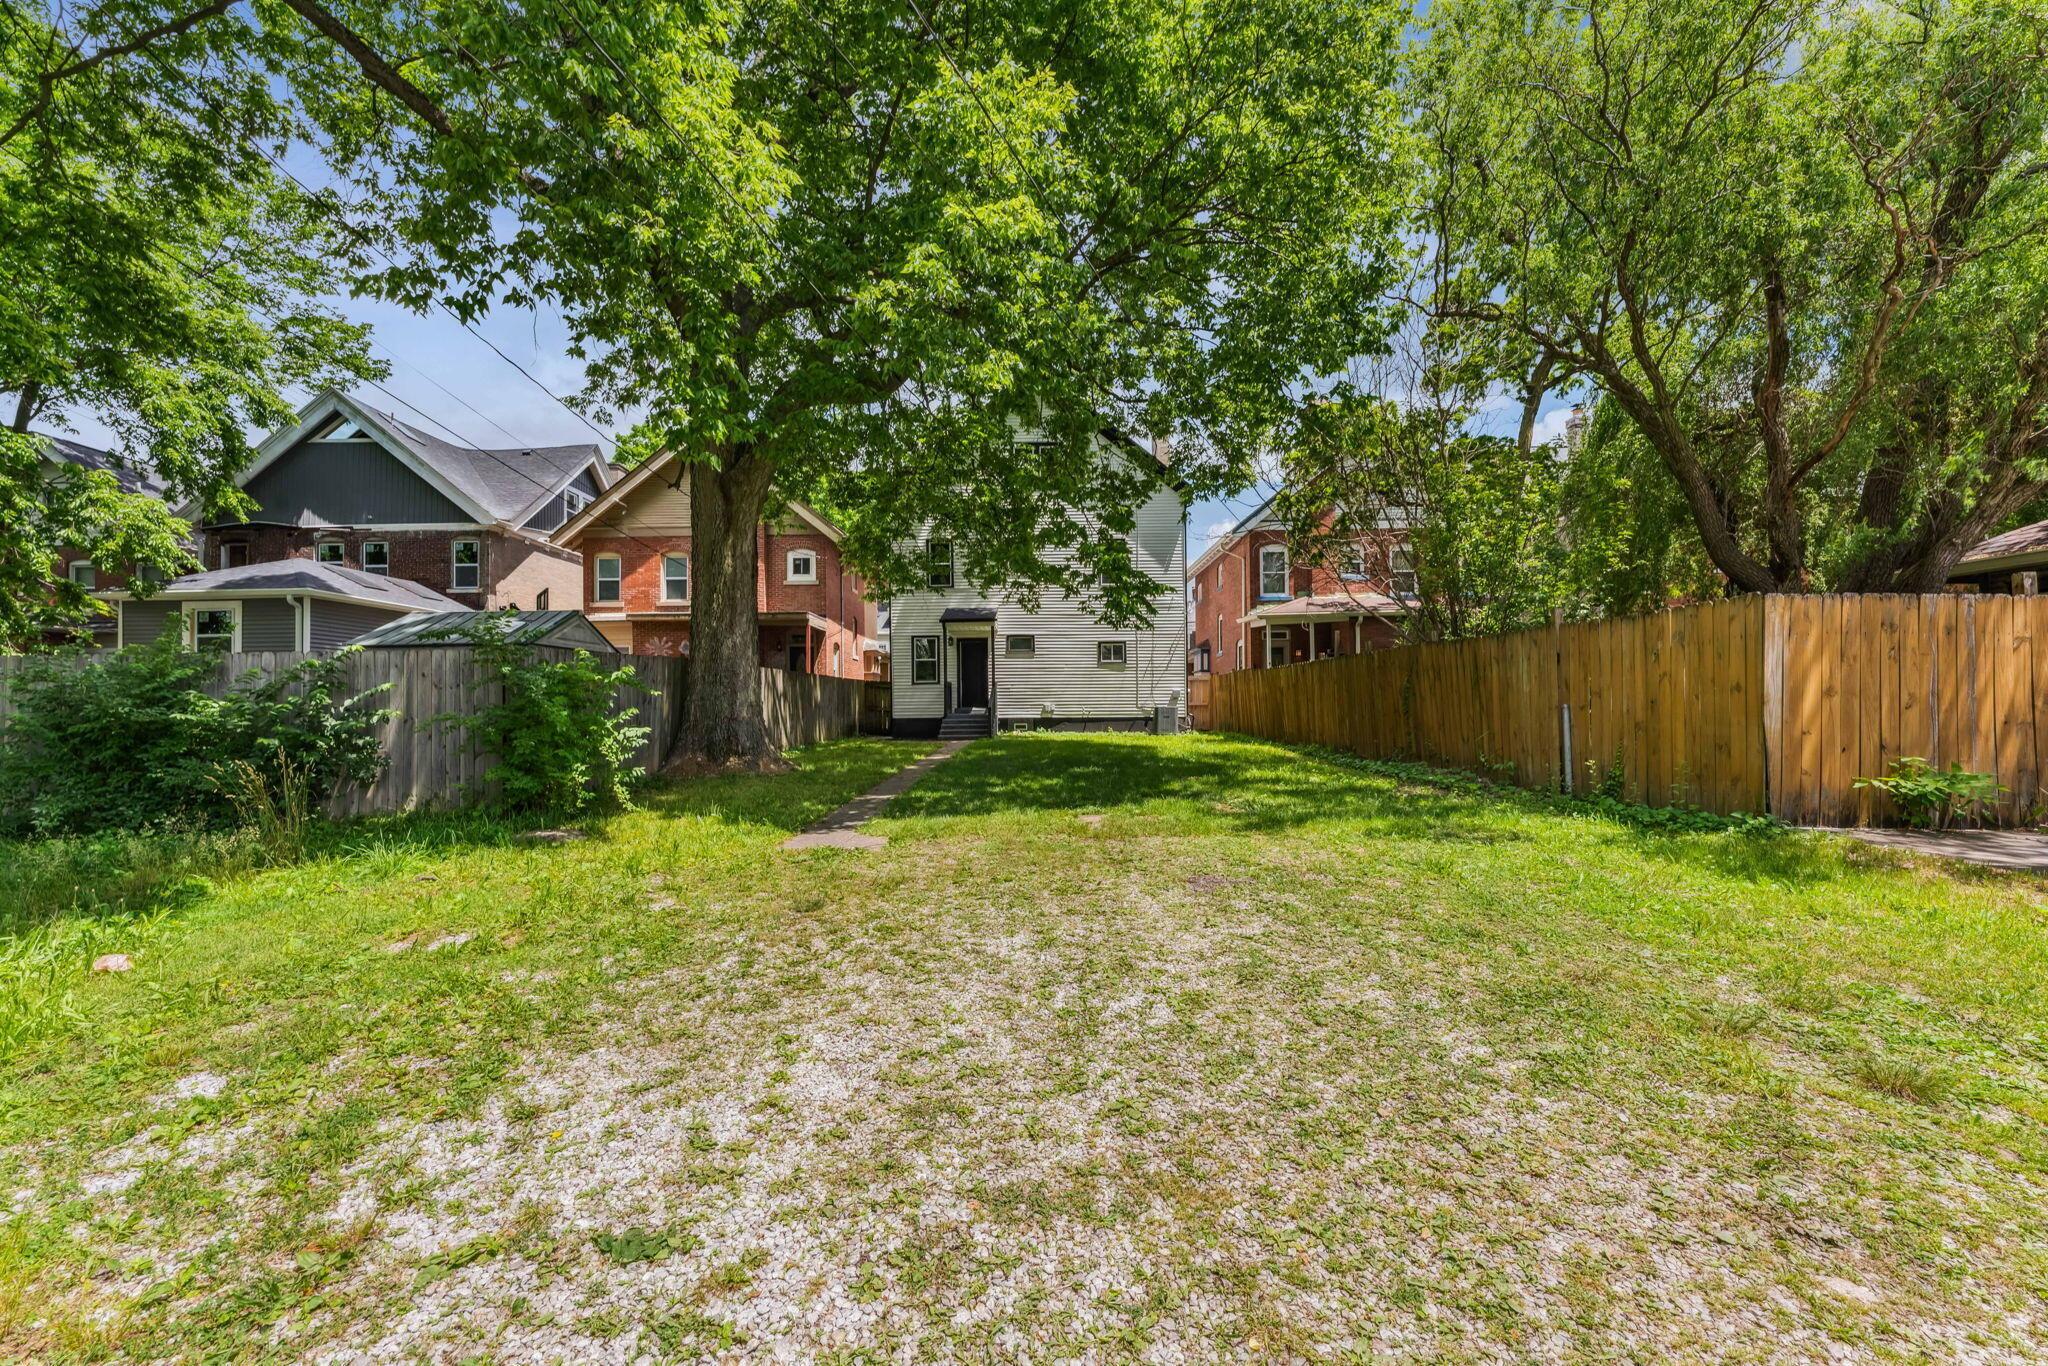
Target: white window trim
point(71, 573)
point(574, 501)
point(933, 681)
point(1351, 563)
point(1281, 551)
point(1030, 650)
point(1403, 551)
point(190, 627)
point(928, 563)
point(1103, 650)
point(340, 548)
point(666, 596)
point(597, 579)
point(789, 574)
point(227, 546)
point(385, 569)
point(455, 565)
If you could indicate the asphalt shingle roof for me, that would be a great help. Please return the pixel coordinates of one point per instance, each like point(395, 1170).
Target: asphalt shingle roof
point(69, 452)
point(305, 576)
point(2019, 541)
point(506, 483)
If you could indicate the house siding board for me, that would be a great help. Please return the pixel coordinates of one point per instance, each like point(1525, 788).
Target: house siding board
point(1062, 681)
point(144, 622)
point(346, 483)
point(270, 624)
point(335, 624)
point(555, 511)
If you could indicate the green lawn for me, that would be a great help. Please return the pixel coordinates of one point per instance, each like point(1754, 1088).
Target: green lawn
point(1195, 1047)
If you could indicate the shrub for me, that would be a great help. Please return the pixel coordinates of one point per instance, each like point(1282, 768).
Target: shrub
point(561, 749)
point(134, 742)
point(1932, 797)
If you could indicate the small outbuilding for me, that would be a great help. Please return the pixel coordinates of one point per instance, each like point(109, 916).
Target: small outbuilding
point(564, 629)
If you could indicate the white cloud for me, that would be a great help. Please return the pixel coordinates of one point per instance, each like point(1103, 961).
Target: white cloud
point(1550, 426)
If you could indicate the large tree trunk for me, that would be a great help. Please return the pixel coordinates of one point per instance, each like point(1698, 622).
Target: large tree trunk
point(722, 721)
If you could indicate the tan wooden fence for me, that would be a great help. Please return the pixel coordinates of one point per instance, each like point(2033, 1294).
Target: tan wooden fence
point(1772, 703)
point(430, 760)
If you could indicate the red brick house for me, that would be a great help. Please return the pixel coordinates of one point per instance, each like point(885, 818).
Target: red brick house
point(1252, 604)
point(352, 487)
point(634, 540)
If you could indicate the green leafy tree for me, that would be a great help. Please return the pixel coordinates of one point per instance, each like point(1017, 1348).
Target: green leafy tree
point(848, 251)
point(1802, 248)
point(1396, 447)
point(160, 275)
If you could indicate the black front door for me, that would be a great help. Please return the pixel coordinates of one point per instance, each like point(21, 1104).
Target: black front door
point(973, 656)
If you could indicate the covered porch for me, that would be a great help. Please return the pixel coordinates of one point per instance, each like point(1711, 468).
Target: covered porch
point(1321, 627)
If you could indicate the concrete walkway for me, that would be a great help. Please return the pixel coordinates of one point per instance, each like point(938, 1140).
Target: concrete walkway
point(2020, 851)
point(841, 829)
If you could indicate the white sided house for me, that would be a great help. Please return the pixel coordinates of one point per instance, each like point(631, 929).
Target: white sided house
point(964, 662)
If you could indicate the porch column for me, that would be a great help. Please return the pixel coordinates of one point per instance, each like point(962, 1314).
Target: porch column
point(810, 660)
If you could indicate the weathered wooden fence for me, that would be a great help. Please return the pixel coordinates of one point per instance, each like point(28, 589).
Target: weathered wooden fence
point(1772, 703)
point(431, 761)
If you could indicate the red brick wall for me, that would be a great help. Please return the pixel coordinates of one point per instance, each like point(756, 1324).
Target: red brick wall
point(836, 596)
point(1227, 589)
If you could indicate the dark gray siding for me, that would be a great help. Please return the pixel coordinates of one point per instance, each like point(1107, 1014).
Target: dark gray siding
point(269, 624)
point(346, 483)
point(335, 624)
point(143, 622)
point(554, 512)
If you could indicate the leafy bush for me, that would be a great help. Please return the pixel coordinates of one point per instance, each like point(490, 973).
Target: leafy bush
point(134, 742)
point(560, 747)
point(1932, 797)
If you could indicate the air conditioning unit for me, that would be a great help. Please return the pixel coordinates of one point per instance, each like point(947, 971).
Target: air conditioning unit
point(1166, 717)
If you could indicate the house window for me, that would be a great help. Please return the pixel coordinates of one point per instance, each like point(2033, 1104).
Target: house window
point(81, 573)
point(607, 579)
point(376, 557)
point(1402, 562)
point(1240, 654)
point(540, 601)
point(216, 627)
point(1202, 660)
point(234, 554)
point(1273, 571)
point(1109, 652)
point(675, 578)
point(1198, 590)
point(798, 641)
point(1351, 564)
point(467, 573)
point(835, 659)
point(1276, 646)
point(574, 501)
point(1020, 645)
point(924, 659)
point(938, 558)
point(330, 552)
point(800, 566)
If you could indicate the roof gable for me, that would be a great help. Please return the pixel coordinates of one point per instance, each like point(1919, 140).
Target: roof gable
point(490, 486)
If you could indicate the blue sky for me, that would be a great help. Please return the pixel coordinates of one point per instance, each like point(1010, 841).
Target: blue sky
point(437, 368)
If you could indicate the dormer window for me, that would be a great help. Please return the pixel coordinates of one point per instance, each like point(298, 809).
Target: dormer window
point(574, 501)
point(1273, 571)
point(330, 552)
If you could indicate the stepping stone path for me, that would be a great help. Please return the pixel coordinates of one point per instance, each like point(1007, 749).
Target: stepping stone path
point(841, 829)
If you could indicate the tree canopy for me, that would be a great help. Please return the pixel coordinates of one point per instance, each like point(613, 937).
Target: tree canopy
point(161, 276)
point(1801, 247)
point(851, 251)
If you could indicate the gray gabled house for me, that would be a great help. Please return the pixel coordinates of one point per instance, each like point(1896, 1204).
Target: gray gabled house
point(352, 487)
